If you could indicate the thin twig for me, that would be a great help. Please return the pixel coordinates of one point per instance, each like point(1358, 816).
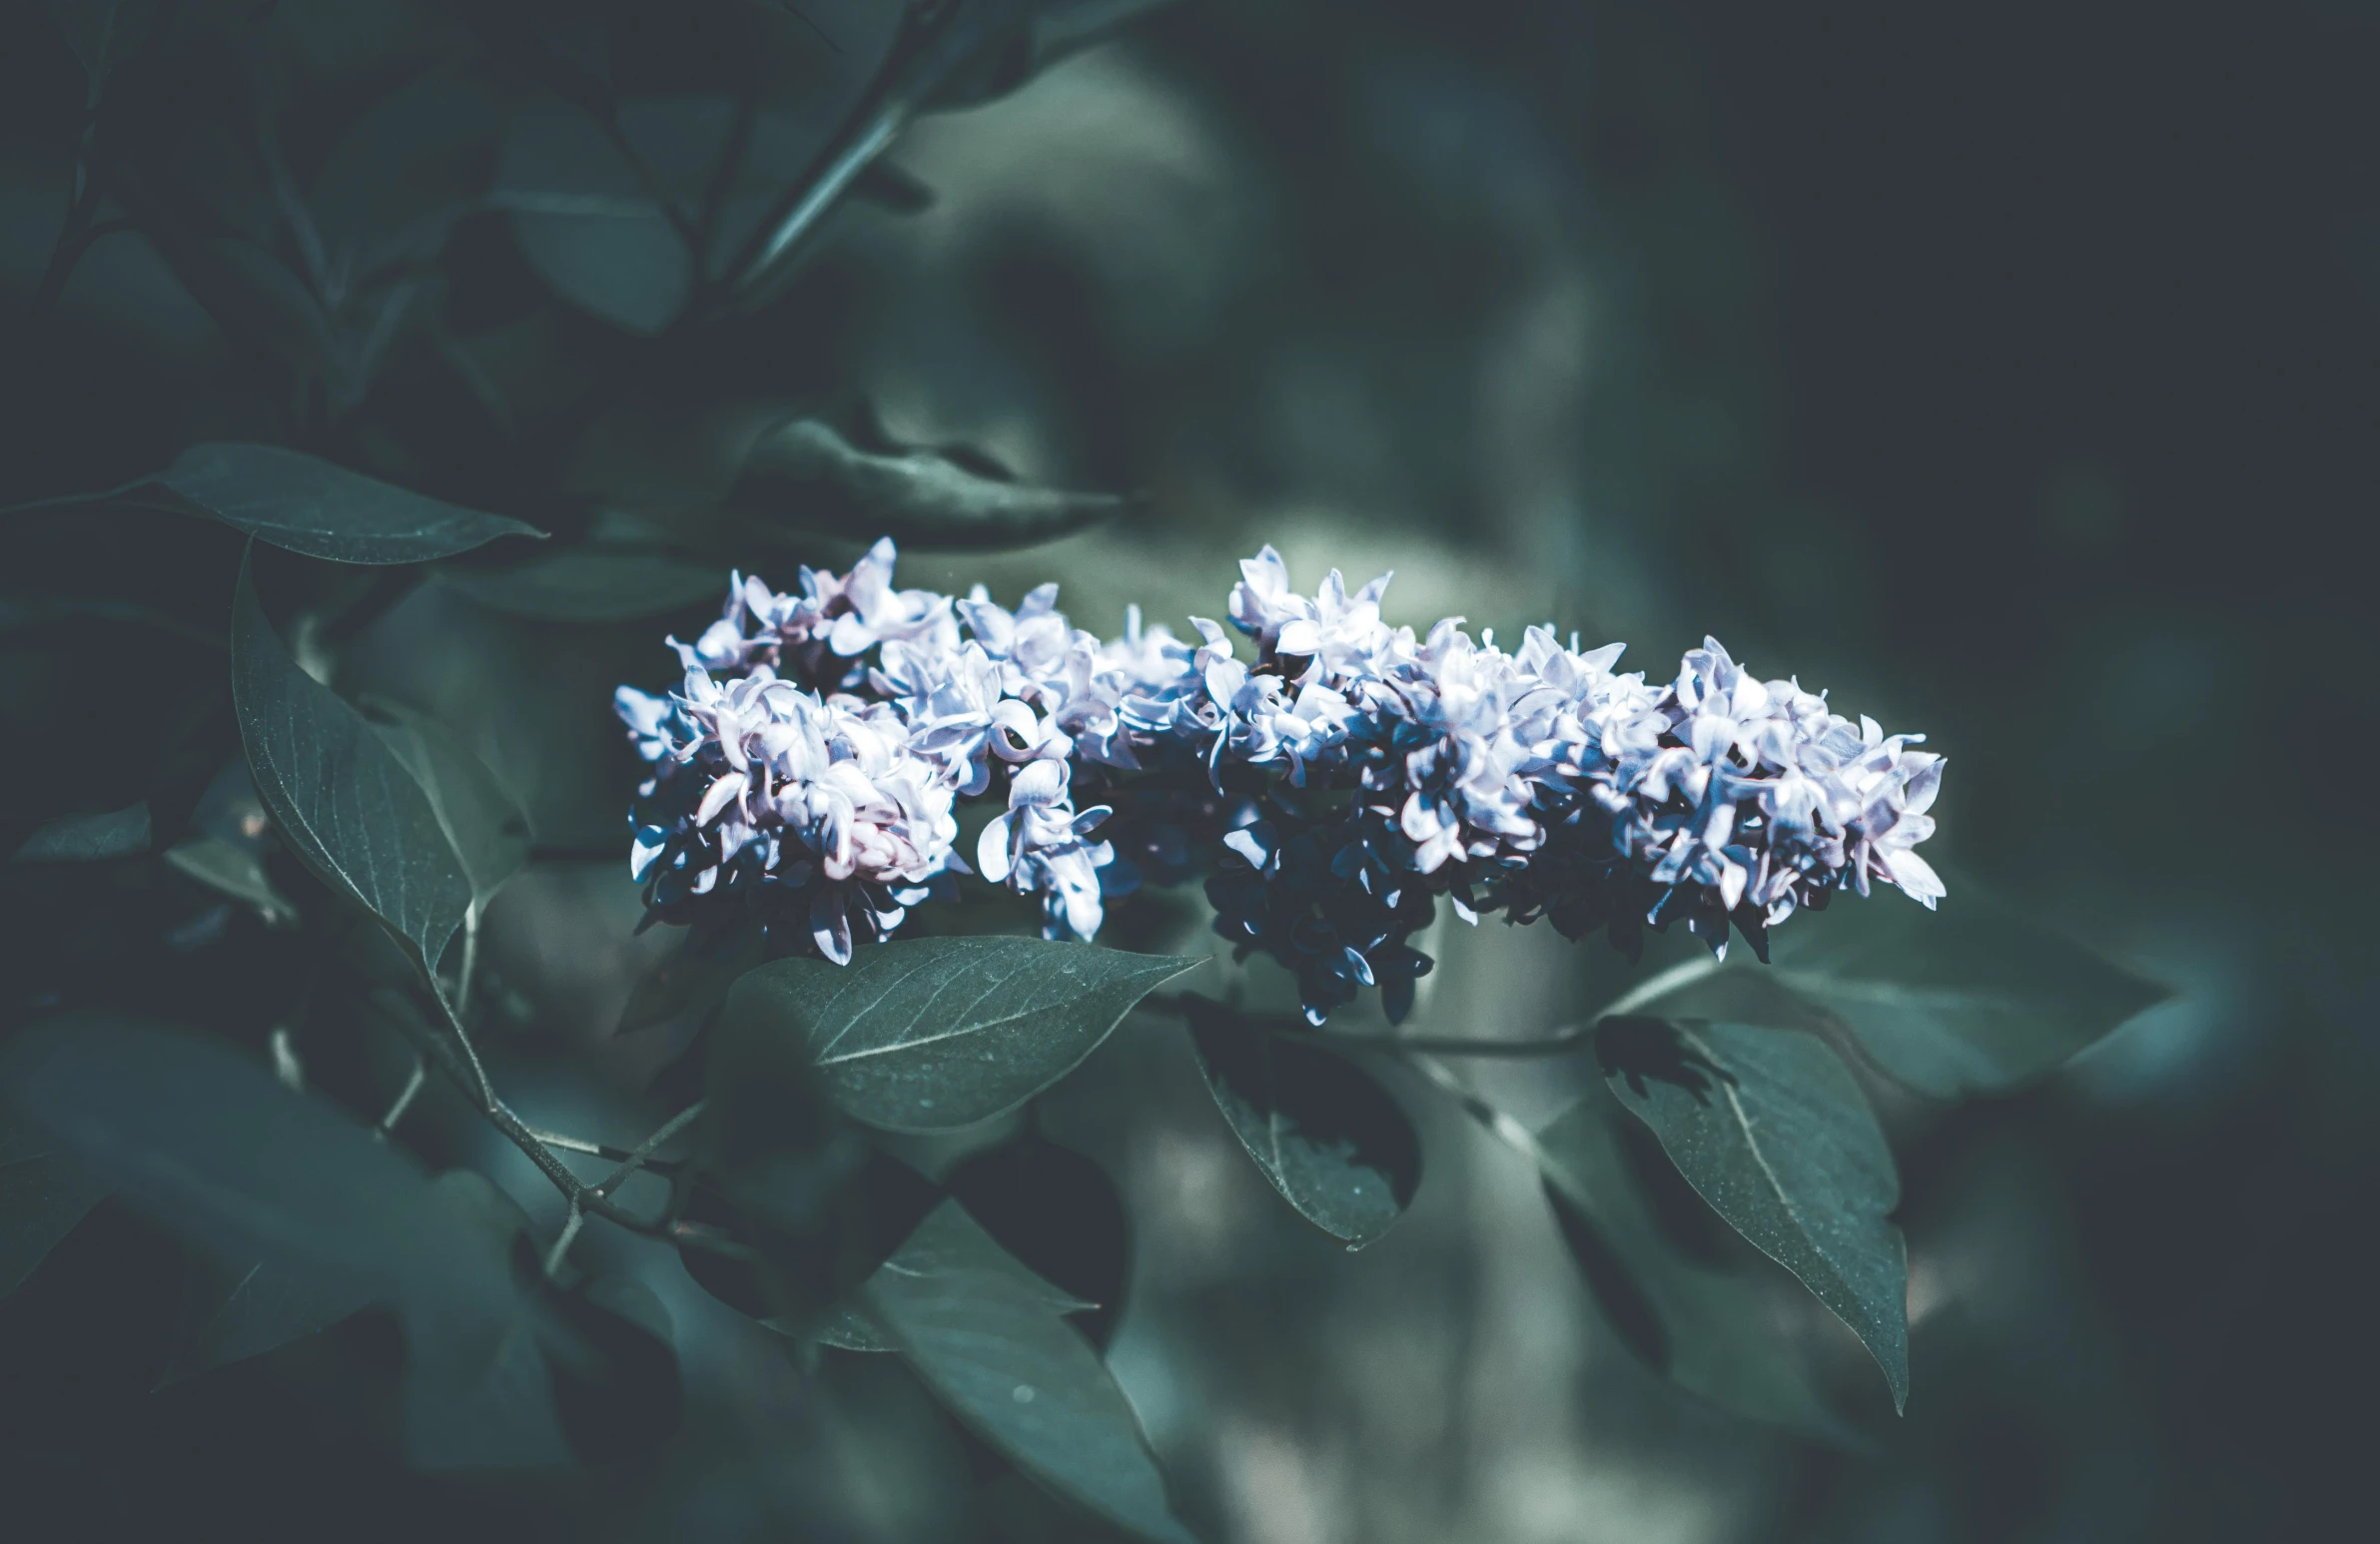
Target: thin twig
point(561, 1244)
point(647, 1147)
point(414, 1083)
point(469, 1077)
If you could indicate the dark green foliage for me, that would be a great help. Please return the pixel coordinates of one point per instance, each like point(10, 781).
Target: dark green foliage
point(1055, 1212)
point(1326, 1134)
point(230, 1315)
point(233, 871)
point(1979, 1001)
point(616, 1384)
point(341, 798)
point(380, 282)
point(989, 1337)
point(807, 476)
point(86, 838)
point(483, 822)
point(1695, 1313)
point(930, 1035)
point(1771, 1129)
point(208, 1142)
point(44, 1193)
point(307, 504)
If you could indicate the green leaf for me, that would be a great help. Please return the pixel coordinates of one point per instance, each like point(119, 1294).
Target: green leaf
point(483, 823)
point(928, 1034)
point(1978, 1000)
point(847, 1328)
point(1770, 1127)
point(308, 505)
point(205, 1139)
point(1333, 1142)
point(44, 1193)
point(1694, 1316)
point(89, 838)
point(990, 1344)
point(305, 505)
point(341, 797)
point(397, 179)
point(590, 584)
point(229, 1315)
point(588, 220)
point(233, 871)
point(479, 1388)
point(258, 302)
point(1057, 1212)
point(806, 476)
point(616, 1382)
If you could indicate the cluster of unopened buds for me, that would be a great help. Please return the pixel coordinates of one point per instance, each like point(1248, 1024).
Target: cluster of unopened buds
point(807, 774)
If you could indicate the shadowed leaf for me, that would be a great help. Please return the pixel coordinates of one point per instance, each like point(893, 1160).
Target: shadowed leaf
point(1770, 1127)
point(1978, 1000)
point(986, 1336)
point(341, 797)
point(207, 1141)
point(233, 872)
point(616, 1383)
point(44, 1193)
point(482, 821)
point(807, 476)
point(231, 1316)
point(1334, 1142)
point(305, 505)
point(1703, 1324)
point(89, 838)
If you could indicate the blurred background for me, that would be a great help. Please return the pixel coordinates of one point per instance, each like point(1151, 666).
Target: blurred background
point(2013, 372)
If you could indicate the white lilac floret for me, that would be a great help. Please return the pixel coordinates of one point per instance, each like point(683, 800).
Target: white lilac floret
point(807, 769)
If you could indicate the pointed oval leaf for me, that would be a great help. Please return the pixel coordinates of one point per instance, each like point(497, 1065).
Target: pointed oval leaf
point(229, 1315)
point(616, 1382)
point(44, 1193)
point(1980, 1001)
point(587, 221)
point(89, 838)
point(305, 505)
point(483, 823)
point(1770, 1127)
point(310, 505)
point(807, 476)
point(993, 1349)
point(347, 805)
point(928, 1034)
point(235, 872)
point(1333, 1142)
point(207, 1139)
point(1706, 1327)
point(1057, 1212)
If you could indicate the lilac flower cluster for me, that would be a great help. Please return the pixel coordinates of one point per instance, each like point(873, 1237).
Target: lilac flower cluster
point(808, 770)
